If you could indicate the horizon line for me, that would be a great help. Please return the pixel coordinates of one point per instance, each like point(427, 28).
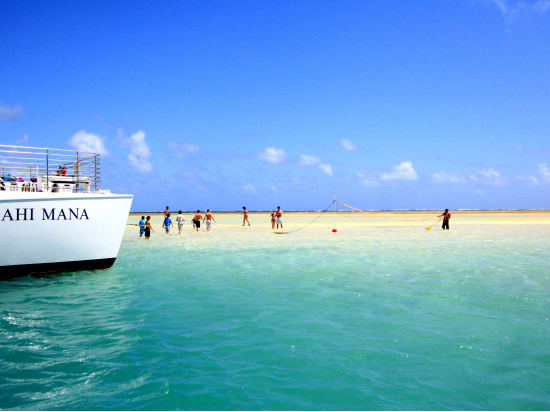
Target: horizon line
point(351, 211)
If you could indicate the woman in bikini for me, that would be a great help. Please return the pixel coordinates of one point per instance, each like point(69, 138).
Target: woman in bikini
point(273, 218)
point(245, 216)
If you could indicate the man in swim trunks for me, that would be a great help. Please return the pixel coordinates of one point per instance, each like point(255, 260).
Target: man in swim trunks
point(197, 220)
point(245, 216)
point(446, 216)
point(279, 215)
point(167, 223)
point(180, 219)
point(209, 219)
point(148, 228)
point(141, 227)
point(273, 218)
point(166, 211)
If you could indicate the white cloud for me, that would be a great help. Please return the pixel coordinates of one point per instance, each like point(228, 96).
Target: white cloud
point(501, 5)
point(308, 160)
point(191, 148)
point(88, 142)
point(511, 9)
point(488, 177)
point(7, 112)
point(326, 168)
point(140, 153)
point(534, 180)
point(541, 6)
point(348, 144)
point(367, 180)
point(24, 139)
point(402, 171)
point(249, 188)
point(272, 155)
point(446, 177)
point(542, 177)
point(183, 149)
point(544, 172)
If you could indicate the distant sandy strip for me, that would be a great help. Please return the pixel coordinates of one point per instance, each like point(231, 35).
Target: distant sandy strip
point(374, 218)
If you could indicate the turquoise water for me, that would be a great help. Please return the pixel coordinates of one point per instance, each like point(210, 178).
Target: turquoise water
point(369, 318)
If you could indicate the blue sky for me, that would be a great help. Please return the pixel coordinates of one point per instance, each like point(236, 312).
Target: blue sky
point(385, 105)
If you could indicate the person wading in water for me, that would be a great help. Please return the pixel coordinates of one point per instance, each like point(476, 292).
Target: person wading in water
point(245, 216)
point(279, 215)
point(148, 227)
point(446, 216)
point(197, 220)
point(273, 219)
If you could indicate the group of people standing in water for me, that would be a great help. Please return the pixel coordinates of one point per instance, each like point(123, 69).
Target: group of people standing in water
point(276, 217)
point(145, 226)
point(208, 218)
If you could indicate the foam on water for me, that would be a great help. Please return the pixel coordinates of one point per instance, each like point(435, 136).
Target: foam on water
point(368, 318)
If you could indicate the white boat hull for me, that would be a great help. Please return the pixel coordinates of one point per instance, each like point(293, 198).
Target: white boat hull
point(57, 232)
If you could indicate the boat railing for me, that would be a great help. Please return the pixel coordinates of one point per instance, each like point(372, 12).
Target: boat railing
point(40, 169)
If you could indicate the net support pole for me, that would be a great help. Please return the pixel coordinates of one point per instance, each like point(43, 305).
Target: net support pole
point(334, 215)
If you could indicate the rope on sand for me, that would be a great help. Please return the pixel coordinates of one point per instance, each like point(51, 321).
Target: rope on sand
point(433, 224)
point(379, 216)
point(310, 223)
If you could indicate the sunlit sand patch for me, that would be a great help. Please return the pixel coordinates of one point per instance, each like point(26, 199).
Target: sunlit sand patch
point(293, 220)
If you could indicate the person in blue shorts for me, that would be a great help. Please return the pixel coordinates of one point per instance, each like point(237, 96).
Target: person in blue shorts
point(167, 223)
point(142, 227)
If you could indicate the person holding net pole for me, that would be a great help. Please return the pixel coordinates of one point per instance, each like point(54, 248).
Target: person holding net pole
point(446, 216)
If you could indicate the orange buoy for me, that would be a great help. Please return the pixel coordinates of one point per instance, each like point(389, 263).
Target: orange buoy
point(334, 230)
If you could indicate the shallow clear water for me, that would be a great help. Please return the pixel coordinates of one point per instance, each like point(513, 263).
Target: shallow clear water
point(368, 318)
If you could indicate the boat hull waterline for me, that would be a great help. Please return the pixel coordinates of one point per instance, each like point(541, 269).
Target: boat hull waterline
point(61, 232)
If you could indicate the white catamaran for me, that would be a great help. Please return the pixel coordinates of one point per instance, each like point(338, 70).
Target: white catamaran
point(53, 215)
